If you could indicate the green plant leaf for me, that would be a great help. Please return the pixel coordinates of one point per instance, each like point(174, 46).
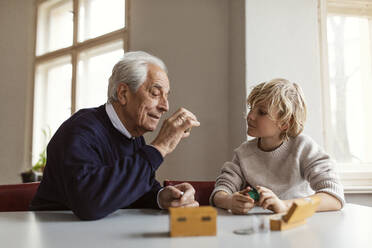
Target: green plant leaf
point(40, 164)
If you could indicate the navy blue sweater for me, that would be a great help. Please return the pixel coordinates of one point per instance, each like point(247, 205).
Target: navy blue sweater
point(94, 170)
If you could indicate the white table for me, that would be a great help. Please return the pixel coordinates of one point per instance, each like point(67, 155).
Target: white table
point(143, 228)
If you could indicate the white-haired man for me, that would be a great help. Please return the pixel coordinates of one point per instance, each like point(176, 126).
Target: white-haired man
point(98, 162)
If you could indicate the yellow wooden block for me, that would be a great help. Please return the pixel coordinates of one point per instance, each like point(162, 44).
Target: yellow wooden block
point(302, 209)
point(280, 225)
point(190, 221)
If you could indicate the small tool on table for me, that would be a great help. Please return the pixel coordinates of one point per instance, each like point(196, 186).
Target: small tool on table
point(253, 193)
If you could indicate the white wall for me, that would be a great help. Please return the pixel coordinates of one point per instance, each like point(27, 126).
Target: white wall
point(192, 38)
point(16, 50)
point(237, 75)
point(282, 41)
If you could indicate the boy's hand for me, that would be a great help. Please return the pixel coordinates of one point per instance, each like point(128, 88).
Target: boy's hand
point(241, 202)
point(268, 200)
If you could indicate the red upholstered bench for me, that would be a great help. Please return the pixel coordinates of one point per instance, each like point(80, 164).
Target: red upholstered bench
point(203, 189)
point(17, 197)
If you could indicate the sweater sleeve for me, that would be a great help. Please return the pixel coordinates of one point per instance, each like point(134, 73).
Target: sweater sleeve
point(149, 199)
point(230, 180)
point(95, 190)
point(318, 169)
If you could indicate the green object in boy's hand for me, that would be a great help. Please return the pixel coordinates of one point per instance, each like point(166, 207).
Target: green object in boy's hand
point(254, 194)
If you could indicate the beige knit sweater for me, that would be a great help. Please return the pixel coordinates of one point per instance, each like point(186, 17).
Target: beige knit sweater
point(295, 169)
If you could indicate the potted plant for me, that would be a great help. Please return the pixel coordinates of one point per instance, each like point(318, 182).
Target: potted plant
point(35, 173)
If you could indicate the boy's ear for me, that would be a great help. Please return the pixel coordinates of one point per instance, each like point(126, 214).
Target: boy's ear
point(122, 92)
point(283, 126)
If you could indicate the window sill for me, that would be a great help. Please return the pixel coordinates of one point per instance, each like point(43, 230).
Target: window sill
point(358, 189)
point(357, 181)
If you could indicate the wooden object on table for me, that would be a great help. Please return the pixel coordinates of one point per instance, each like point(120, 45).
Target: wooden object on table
point(280, 225)
point(190, 221)
point(300, 210)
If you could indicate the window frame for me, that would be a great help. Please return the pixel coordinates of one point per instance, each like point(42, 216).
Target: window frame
point(359, 179)
point(72, 51)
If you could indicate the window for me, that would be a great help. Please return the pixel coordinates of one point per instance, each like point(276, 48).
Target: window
point(77, 44)
point(346, 31)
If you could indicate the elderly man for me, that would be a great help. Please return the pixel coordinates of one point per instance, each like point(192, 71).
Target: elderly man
point(98, 162)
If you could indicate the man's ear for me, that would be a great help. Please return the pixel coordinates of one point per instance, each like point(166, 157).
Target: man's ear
point(122, 93)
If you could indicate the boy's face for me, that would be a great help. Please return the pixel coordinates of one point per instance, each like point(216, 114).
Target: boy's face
point(261, 125)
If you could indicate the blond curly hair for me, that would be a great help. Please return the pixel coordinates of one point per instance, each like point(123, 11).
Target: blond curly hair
point(285, 104)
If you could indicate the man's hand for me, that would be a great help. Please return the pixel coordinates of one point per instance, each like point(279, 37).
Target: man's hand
point(241, 202)
point(175, 128)
point(180, 195)
point(268, 200)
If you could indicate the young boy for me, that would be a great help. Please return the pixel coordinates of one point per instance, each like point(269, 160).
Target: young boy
point(280, 163)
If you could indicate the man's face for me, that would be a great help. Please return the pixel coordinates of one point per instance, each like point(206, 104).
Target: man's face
point(145, 106)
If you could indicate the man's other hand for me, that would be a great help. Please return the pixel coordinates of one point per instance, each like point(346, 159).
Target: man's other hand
point(180, 195)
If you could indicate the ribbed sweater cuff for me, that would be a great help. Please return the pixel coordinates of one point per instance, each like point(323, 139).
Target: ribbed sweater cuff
point(218, 188)
point(153, 156)
point(333, 189)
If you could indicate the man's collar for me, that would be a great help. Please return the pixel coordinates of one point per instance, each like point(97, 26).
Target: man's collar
point(114, 118)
